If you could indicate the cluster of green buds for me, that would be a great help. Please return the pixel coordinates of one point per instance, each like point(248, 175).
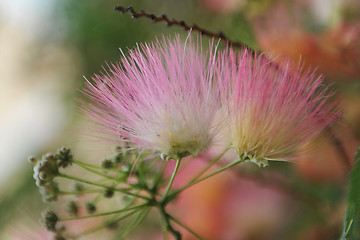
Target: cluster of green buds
point(119, 170)
point(130, 183)
point(46, 169)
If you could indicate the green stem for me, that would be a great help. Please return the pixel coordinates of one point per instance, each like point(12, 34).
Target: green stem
point(165, 217)
point(103, 214)
point(173, 194)
point(84, 166)
point(171, 179)
point(184, 226)
point(136, 222)
point(101, 185)
point(210, 165)
point(78, 193)
point(158, 177)
point(104, 225)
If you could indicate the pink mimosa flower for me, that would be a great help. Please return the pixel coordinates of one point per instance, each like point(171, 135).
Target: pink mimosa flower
point(271, 111)
point(160, 97)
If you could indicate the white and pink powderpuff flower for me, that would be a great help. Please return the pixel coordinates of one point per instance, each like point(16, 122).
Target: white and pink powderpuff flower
point(271, 111)
point(160, 97)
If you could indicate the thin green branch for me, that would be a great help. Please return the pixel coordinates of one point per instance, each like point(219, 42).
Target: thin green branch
point(185, 227)
point(165, 218)
point(171, 179)
point(84, 166)
point(103, 214)
point(210, 165)
point(104, 225)
point(78, 192)
point(176, 192)
point(158, 176)
point(136, 222)
point(101, 185)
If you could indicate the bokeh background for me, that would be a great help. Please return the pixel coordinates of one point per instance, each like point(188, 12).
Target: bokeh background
point(47, 46)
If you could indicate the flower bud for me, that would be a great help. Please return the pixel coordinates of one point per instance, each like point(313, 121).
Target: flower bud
point(108, 193)
point(78, 187)
point(64, 157)
point(49, 191)
point(107, 164)
point(49, 220)
point(90, 207)
point(32, 160)
point(118, 158)
point(72, 208)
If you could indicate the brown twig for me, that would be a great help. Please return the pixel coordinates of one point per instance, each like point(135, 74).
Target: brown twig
point(171, 21)
point(180, 23)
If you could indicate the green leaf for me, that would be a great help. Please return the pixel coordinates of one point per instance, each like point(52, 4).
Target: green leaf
point(352, 219)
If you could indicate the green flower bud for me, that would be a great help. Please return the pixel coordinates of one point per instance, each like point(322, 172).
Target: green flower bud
point(72, 208)
point(78, 187)
point(64, 157)
point(90, 207)
point(108, 193)
point(49, 220)
point(107, 164)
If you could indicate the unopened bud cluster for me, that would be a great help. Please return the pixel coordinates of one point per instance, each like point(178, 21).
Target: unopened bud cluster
point(46, 169)
point(123, 182)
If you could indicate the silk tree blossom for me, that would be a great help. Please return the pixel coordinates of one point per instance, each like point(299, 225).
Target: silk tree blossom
point(160, 97)
point(271, 111)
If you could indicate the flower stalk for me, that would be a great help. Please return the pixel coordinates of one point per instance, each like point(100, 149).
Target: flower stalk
point(193, 182)
point(166, 221)
point(171, 180)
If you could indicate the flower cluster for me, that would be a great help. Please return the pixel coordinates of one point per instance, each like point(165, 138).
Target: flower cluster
point(174, 98)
